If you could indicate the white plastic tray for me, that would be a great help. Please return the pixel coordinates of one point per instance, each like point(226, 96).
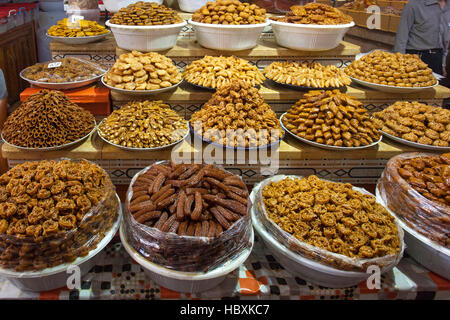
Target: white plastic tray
point(56, 277)
point(186, 281)
point(324, 146)
point(67, 145)
point(414, 144)
point(425, 251)
point(391, 89)
point(79, 40)
point(144, 149)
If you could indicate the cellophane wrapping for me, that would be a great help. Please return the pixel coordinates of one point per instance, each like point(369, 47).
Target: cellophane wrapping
point(83, 4)
point(279, 6)
point(24, 253)
point(186, 253)
point(72, 69)
point(325, 257)
point(429, 218)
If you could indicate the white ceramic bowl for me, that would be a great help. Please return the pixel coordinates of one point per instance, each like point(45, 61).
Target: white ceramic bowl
point(146, 38)
point(186, 281)
point(309, 37)
point(191, 5)
point(428, 253)
point(56, 277)
point(116, 5)
point(302, 267)
point(228, 37)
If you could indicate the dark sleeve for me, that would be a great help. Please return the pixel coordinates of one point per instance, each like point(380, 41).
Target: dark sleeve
point(405, 25)
point(3, 90)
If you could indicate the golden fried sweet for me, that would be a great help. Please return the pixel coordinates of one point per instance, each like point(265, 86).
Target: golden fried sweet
point(80, 28)
point(237, 116)
point(393, 69)
point(146, 14)
point(315, 13)
point(332, 216)
point(331, 118)
point(146, 124)
point(51, 212)
point(313, 75)
point(143, 71)
point(231, 12)
point(47, 119)
point(215, 72)
point(416, 122)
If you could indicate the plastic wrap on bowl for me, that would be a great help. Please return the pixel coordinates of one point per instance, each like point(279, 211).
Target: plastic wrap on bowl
point(325, 257)
point(83, 4)
point(428, 217)
point(63, 70)
point(185, 253)
point(23, 253)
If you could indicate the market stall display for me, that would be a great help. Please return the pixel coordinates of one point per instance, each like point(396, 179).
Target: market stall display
point(237, 116)
point(216, 72)
point(416, 124)
point(65, 73)
point(334, 229)
point(149, 72)
point(114, 5)
point(146, 26)
point(314, 26)
point(47, 120)
point(331, 119)
point(414, 186)
point(78, 32)
point(306, 75)
point(146, 125)
point(391, 72)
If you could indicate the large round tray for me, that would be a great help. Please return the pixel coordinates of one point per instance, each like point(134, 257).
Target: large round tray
point(143, 149)
point(140, 92)
point(56, 277)
point(186, 281)
point(324, 146)
point(78, 40)
point(304, 88)
point(425, 251)
point(62, 85)
point(391, 89)
point(233, 148)
point(67, 145)
point(414, 144)
point(212, 89)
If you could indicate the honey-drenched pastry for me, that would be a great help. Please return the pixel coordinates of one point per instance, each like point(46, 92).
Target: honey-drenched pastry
point(393, 69)
point(332, 216)
point(52, 212)
point(416, 187)
point(314, 75)
point(146, 124)
point(146, 14)
point(237, 116)
point(315, 13)
point(143, 71)
point(47, 119)
point(331, 118)
point(416, 122)
point(70, 70)
point(216, 72)
point(80, 28)
point(231, 12)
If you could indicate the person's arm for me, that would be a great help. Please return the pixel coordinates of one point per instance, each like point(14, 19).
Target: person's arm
point(405, 25)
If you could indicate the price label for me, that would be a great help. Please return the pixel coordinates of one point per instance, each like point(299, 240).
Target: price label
point(75, 18)
point(54, 65)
